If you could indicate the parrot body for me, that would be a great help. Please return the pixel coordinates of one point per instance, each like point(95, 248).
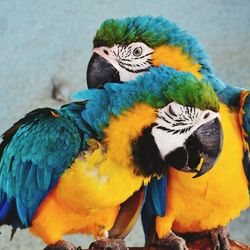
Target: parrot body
point(91, 188)
point(69, 170)
point(131, 46)
point(186, 213)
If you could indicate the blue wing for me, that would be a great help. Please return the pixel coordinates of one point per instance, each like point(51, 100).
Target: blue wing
point(155, 205)
point(33, 155)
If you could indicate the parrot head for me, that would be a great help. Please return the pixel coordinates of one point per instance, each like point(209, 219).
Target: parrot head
point(125, 48)
point(186, 138)
point(187, 133)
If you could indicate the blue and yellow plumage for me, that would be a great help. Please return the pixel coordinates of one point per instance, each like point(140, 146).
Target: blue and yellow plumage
point(193, 205)
point(68, 170)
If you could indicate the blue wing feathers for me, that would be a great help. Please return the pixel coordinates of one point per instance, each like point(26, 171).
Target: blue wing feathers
point(22, 211)
point(154, 205)
point(33, 155)
point(158, 193)
point(148, 216)
point(5, 205)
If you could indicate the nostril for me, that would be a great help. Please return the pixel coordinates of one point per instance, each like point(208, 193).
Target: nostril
point(105, 52)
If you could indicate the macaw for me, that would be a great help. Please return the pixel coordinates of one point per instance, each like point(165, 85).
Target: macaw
point(126, 48)
point(67, 170)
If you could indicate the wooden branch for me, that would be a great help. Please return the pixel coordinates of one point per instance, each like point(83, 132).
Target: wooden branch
point(205, 244)
point(200, 244)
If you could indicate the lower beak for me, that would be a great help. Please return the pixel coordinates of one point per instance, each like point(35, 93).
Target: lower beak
point(201, 150)
point(100, 71)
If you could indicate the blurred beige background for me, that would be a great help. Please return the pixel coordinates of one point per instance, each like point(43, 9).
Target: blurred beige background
point(43, 39)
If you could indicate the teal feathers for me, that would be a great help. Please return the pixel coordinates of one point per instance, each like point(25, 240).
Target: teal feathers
point(157, 31)
point(153, 31)
point(37, 150)
point(34, 154)
point(157, 88)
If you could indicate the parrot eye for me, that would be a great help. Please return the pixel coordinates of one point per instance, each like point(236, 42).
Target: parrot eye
point(106, 52)
point(137, 51)
point(206, 115)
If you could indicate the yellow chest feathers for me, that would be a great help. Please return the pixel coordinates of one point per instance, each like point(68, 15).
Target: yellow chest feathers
point(174, 57)
point(87, 196)
point(220, 194)
point(105, 175)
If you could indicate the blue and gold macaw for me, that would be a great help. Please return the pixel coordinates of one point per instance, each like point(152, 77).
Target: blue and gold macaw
point(68, 170)
point(126, 48)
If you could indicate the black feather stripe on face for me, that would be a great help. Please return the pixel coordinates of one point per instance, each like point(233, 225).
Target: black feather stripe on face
point(146, 155)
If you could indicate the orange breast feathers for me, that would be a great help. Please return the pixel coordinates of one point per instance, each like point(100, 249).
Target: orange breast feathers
point(175, 58)
point(214, 199)
point(88, 195)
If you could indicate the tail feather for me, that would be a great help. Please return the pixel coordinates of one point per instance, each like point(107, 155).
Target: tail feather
point(155, 205)
point(148, 222)
point(8, 212)
point(4, 207)
point(4, 210)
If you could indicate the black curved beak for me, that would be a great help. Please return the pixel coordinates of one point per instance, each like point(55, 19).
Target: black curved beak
point(201, 150)
point(100, 71)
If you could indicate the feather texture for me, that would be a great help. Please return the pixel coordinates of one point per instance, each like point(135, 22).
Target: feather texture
point(44, 154)
point(34, 154)
point(244, 118)
point(155, 205)
point(174, 48)
point(157, 32)
point(157, 88)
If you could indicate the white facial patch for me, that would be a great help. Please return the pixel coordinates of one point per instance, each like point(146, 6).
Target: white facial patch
point(175, 123)
point(131, 60)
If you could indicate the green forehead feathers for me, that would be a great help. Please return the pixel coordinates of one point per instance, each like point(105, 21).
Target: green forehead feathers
point(164, 85)
point(191, 92)
point(153, 31)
